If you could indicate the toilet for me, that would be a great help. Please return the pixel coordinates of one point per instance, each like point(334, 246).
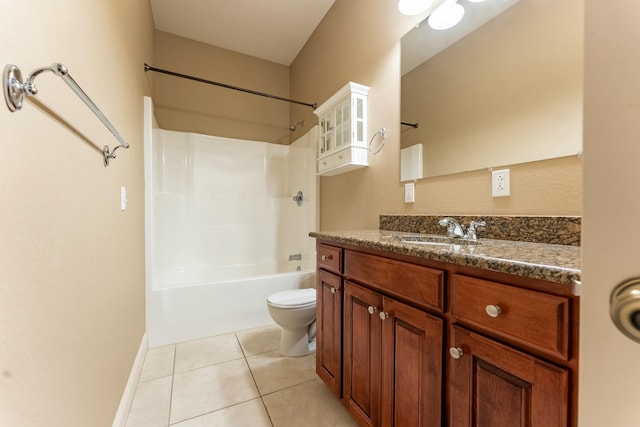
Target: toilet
point(295, 312)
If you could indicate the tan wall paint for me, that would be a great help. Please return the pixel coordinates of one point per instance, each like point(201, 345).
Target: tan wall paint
point(71, 263)
point(189, 106)
point(361, 43)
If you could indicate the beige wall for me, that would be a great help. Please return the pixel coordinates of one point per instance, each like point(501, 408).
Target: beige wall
point(71, 263)
point(189, 106)
point(361, 43)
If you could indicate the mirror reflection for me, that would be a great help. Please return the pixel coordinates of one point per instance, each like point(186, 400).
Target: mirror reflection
point(508, 91)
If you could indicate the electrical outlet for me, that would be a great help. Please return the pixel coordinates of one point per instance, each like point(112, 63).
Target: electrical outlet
point(409, 193)
point(500, 183)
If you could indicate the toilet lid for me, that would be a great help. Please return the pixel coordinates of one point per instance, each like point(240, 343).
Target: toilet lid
point(297, 298)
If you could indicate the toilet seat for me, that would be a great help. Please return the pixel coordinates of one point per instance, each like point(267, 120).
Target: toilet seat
point(295, 298)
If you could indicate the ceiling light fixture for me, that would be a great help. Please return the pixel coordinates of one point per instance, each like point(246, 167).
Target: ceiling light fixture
point(446, 15)
point(413, 7)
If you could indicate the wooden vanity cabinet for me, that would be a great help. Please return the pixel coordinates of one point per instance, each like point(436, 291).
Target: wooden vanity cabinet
point(329, 330)
point(329, 317)
point(492, 383)
point(362, 354)
point(392, 361)
point(392, 350)
point(489, 354)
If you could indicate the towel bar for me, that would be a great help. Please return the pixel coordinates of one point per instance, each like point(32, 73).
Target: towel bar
point(15, 91)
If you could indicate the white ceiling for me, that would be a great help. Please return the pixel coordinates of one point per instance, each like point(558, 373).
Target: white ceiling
point(275, 30)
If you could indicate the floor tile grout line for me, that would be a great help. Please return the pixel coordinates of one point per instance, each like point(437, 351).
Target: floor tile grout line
point(173, 374)
point(287, 388)
point(235, 334)
point(264, 405)
point(214, 411)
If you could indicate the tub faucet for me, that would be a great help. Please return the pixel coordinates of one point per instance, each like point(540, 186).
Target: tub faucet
point(454, 229)
point(295, 257)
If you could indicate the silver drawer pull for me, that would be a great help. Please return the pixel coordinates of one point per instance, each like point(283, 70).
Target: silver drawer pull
point(326, 257)
point(493, 310)
point(372, 309)
point(456, 352)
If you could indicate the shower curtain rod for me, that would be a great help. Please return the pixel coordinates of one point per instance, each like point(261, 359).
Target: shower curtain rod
point(148, 67)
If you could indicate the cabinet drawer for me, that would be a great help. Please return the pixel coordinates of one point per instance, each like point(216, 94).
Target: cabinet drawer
point(329, 258)
point(534, 319)
point(333, 160)
point(420, 285)
point(347, 159)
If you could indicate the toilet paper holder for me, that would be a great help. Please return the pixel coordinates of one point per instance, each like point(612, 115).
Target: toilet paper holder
point(624, 308)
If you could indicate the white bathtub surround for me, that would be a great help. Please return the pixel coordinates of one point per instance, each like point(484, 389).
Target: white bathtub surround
point(221, 225)
point(191, 312)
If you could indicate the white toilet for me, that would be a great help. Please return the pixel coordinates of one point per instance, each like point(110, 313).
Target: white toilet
point(295, 312)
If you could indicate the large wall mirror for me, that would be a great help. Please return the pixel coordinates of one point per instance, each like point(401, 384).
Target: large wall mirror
point(508, 92)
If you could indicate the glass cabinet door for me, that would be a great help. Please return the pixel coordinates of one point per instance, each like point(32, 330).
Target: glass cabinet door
point(359, 116)
point(326, 133)
point(343, 123)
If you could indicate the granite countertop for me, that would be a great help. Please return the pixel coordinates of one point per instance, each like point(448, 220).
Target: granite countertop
point(551, 262)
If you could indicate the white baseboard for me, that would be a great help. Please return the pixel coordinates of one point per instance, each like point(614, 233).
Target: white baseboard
point(127, 397)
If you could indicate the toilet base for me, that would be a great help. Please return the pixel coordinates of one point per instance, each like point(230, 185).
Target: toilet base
point(296, 343)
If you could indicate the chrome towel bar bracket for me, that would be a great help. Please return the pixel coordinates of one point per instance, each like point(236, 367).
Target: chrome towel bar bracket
point(15, 90)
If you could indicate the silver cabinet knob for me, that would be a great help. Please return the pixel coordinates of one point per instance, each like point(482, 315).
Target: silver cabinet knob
point(372, 309)
point(384, 315)
point(625, 308)
point(326, 257)
point(456, 352)
point(333, 290)
point(493, 310)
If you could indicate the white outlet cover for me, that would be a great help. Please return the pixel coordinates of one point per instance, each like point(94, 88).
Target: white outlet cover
point(500, 183)
point(409, 193)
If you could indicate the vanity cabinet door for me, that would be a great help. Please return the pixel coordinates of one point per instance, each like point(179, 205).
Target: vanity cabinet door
point(411, 366)
point(362, 345)
point(492, 385)
point(329, 330)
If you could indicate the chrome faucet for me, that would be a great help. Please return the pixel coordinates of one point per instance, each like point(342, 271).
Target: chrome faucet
point(472, 232)
point(454, 229)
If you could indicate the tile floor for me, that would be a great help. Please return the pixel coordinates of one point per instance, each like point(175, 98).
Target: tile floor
point(232, 380)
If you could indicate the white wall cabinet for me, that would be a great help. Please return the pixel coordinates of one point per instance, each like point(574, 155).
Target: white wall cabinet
point(342, 141)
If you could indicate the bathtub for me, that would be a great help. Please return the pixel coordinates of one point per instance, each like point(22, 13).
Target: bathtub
point(197, 306)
